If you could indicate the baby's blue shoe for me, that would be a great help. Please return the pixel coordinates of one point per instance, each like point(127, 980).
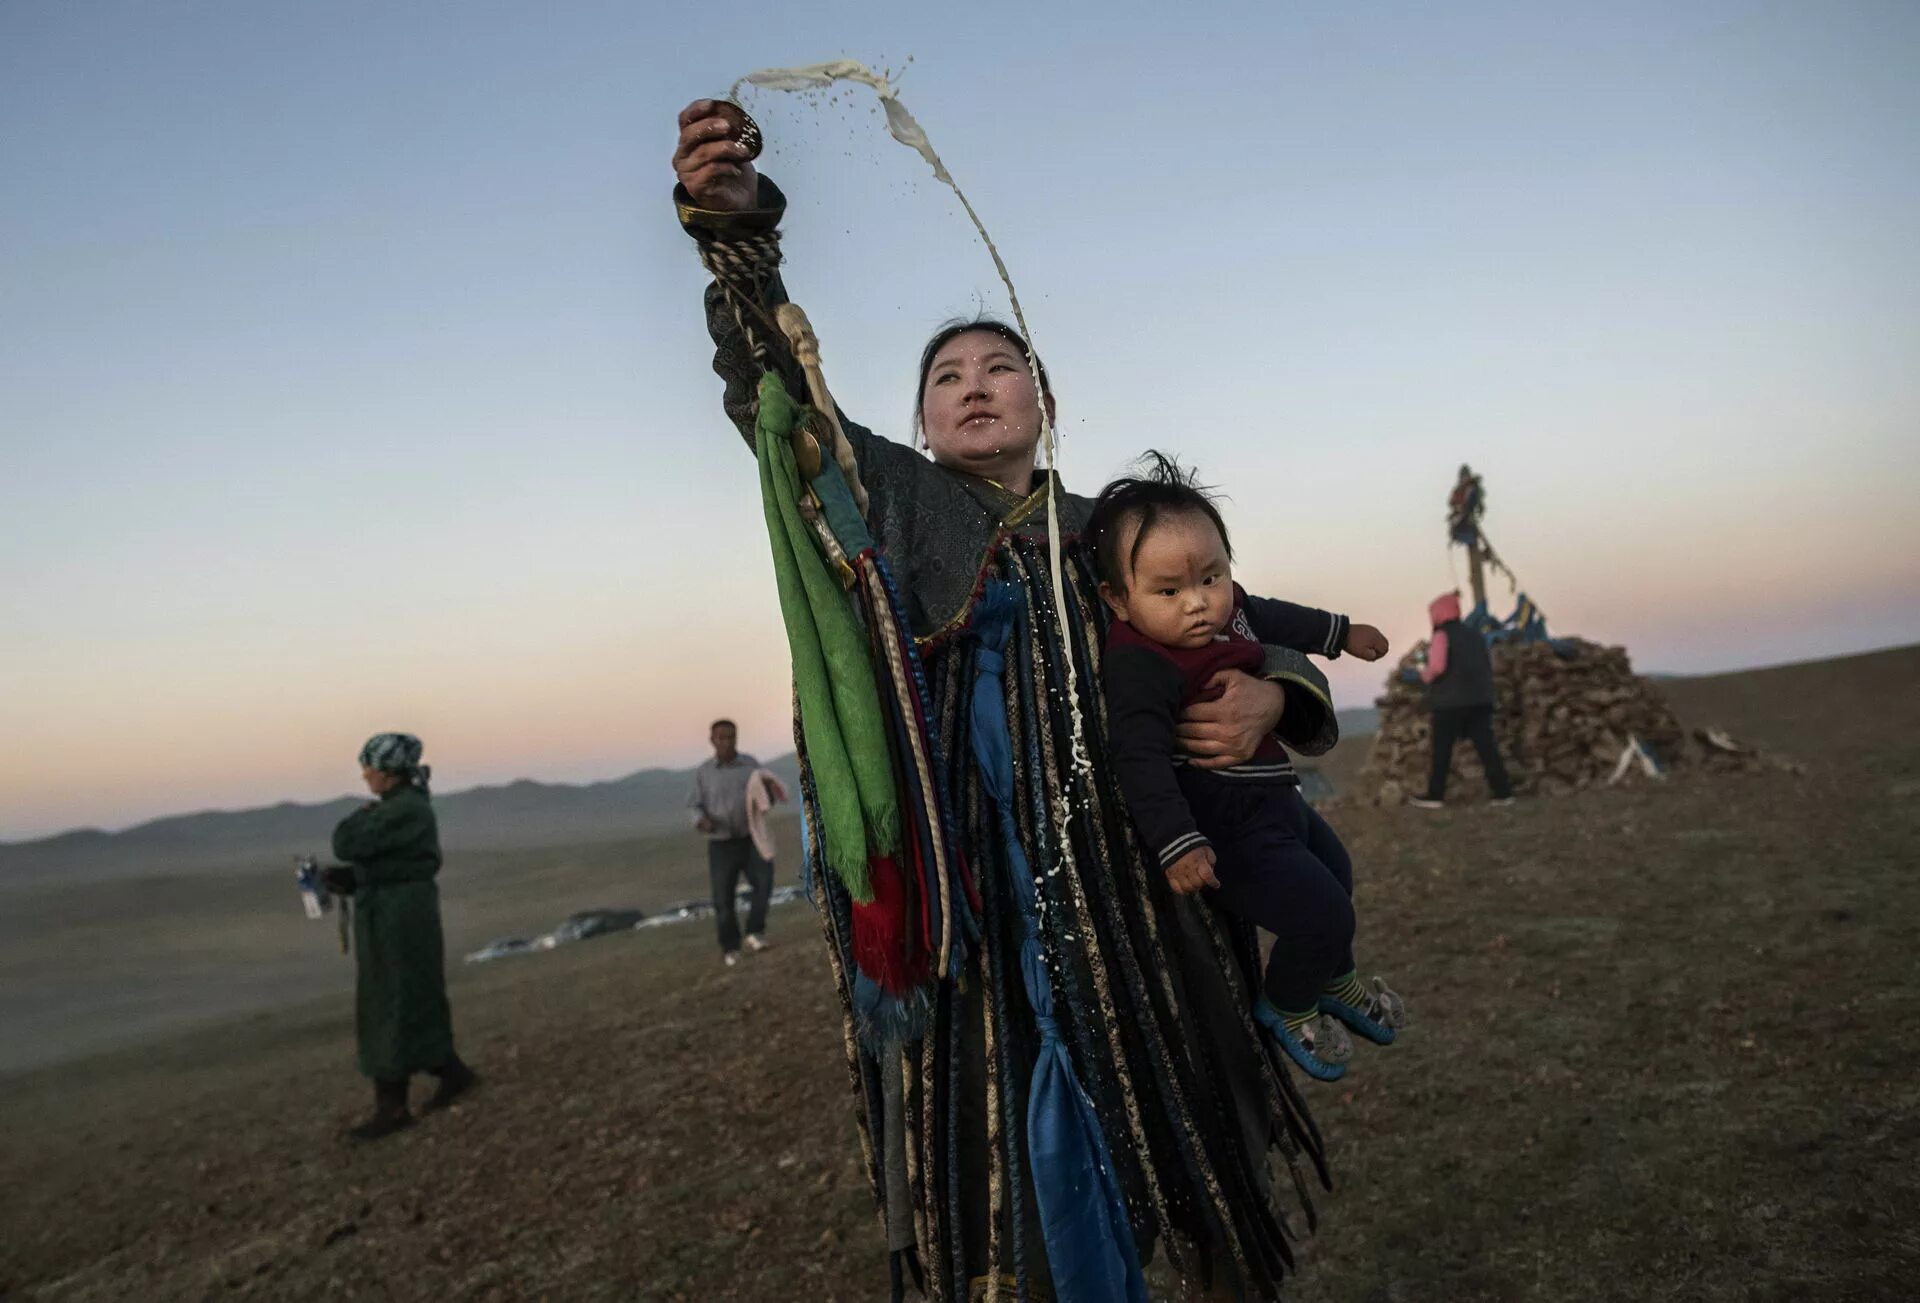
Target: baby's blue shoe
point(1378, 1018)
point(1299, 1048)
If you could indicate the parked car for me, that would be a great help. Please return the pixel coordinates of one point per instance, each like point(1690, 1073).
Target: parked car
point(596, 923)
point(691, 909)
point(680, 913)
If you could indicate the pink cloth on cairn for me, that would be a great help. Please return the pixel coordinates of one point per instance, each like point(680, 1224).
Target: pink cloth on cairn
point(1443, 608)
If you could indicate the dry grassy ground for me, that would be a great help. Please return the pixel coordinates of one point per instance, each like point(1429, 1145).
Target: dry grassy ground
point(1667, 1049)
point(90, 966)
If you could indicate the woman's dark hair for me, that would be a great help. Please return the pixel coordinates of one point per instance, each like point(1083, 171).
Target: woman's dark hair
point(1163, 488)
point(966, 325)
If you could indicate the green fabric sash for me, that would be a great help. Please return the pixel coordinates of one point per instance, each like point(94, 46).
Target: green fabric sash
point(840, 716)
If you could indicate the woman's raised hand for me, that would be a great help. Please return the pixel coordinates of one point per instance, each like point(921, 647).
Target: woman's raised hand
point(710, 163)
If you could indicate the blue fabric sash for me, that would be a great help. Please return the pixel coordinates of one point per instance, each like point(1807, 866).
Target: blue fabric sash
point(1083, 1218)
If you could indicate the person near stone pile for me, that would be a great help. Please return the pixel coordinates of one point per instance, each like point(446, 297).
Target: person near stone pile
point(1459, 679)
point(391, 849)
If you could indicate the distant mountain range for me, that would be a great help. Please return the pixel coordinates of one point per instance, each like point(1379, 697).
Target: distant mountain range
point(1359, 721)
point(515, 815)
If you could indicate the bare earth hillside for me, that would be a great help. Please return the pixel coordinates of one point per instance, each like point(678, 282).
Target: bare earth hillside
point(1668, 1047)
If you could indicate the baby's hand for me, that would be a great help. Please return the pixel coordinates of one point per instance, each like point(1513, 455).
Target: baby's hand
point(1366, 642)
point(1192, 871)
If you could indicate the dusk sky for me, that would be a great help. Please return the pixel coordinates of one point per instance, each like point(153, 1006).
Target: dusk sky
point(353, 373)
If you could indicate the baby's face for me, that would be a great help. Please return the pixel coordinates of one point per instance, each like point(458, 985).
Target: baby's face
point(1180, 590)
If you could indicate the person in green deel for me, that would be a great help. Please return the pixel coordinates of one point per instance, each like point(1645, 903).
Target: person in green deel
point(391, 849)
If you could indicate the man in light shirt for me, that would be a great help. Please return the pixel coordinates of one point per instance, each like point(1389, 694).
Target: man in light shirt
point(717, 804)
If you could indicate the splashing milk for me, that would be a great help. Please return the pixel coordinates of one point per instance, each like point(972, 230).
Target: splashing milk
point(903, 128)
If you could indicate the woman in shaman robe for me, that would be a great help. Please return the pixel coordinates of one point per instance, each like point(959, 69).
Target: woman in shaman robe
point(391, 849)
point(1152, 992)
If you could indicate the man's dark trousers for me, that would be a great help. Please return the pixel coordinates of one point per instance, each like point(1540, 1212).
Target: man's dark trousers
point(728, 858)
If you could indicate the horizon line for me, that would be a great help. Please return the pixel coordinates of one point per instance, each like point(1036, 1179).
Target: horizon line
point(16, 843)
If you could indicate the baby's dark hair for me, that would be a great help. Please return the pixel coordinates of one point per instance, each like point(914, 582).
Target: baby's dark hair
point(1163, 488)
